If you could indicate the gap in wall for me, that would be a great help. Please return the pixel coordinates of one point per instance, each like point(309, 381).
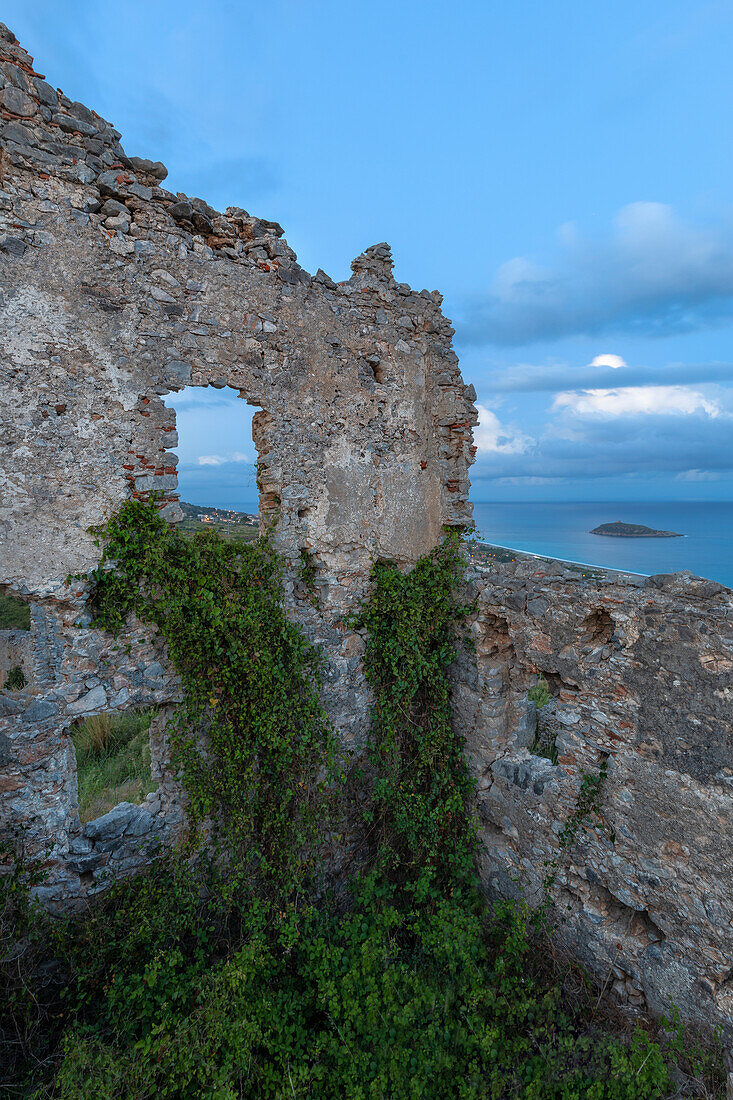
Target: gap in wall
point(113, 760)
point(216, 454)
point(217, 486)
point(15, 639)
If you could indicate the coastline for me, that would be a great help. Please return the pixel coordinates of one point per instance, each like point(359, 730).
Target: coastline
point(561, 531)
point(562, 561)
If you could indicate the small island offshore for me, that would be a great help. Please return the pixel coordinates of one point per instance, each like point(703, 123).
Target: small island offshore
point(621, 530)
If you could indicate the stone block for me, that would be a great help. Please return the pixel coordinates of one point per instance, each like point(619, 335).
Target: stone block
point(112, 824)
point(94, 700)
point(18, 102)
point(40, 710)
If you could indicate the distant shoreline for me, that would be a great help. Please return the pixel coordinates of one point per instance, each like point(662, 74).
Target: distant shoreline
point(562, 561)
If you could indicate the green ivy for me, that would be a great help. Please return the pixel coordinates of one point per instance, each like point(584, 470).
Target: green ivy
point(418, 815)
point(251, 736)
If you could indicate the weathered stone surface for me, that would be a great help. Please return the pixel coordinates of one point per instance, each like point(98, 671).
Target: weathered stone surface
point(117, 293)
point(93, 700)
point(45, 92)
point(18, 102)
point(155, 169)
point(14, 246)
point(40, 710)
point(640, 674)
point(112, 824)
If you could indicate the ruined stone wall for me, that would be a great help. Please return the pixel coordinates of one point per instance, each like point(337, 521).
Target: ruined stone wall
point(116, 292)
point(640, 675)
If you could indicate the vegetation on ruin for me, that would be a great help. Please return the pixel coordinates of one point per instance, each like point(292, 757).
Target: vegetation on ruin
point(539, 693)
point(15, 614)
point(15, 680)
point(112, 761)
point(259, 775)
point(235, 967)
point(544, 743)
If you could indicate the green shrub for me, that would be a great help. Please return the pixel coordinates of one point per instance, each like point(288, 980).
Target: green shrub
point(539, 693)
point(379, 1001)
point(15, 614)
point(15, 680)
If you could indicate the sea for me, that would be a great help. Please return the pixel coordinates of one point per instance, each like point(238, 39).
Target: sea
point(562, 530)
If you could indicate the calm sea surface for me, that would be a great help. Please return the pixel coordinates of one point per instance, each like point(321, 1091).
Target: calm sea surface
point(561, 530)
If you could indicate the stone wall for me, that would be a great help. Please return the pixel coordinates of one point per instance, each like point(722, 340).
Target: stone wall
point(116, 293)
point(640, 675)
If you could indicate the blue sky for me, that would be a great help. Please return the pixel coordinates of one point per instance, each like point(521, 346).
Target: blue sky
point(560, 171)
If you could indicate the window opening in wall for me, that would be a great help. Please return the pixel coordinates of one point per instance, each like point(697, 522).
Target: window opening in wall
point(217, 467)
point(112, 760)
point(15, 653)
point(545, 739)
point(15, 614)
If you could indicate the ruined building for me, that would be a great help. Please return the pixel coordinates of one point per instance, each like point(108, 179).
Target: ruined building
point(116, 293)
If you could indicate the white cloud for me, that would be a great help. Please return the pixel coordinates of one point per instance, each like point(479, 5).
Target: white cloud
point(613, 361)
point(494, 437)
point(635, 401)
point(698, 475)
point(221, 460)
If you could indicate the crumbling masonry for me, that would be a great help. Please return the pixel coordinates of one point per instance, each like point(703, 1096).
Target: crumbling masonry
point(115, 293)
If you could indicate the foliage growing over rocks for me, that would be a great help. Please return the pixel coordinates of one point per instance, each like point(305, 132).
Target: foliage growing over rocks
point(235, 977)
point(249, 676)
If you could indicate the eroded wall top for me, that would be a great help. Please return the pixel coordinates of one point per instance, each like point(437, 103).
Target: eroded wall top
point(116, 291)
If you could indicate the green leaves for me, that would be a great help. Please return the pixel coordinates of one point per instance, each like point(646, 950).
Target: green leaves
point(423, 839)
point(250, 682)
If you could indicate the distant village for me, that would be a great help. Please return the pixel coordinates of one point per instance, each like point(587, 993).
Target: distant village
point(209, 514)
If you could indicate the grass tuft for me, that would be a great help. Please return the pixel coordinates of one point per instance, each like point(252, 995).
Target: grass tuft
point(15, 614)
point(113, 761)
